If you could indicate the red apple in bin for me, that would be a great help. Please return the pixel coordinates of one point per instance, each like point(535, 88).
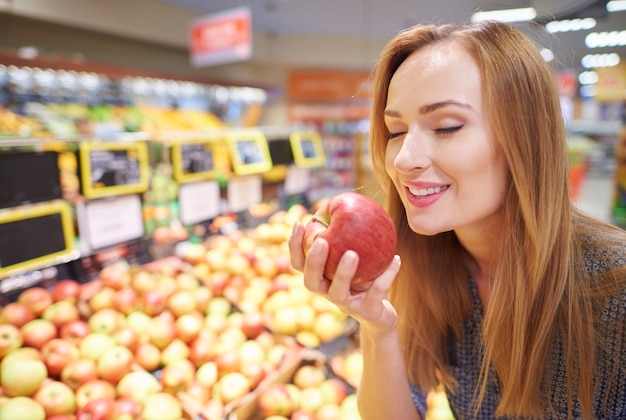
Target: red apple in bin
point(66, 289)
point(75, 330)
point(94, 390)
point(115, 363)
point(353, 221)
point(61, 312)
point(78, 372)
point(56, 398)
point(37, 332)
point(16, 314)
point(97, 409)
point(35, 298)
point(10, 339)
point(57, 353)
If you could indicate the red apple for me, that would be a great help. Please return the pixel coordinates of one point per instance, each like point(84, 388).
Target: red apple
point(115, 276)
point(16, 314)
point(148, 356)
point(66, 289)
point(334, 390)
point(152, 302)
point(10, 339)
point(97, 409)
point(61, 312)
point(78, 372)
point(37, 332)
point(203, 295)
point(343, 218)
point(56, 398)
point(115, 363)
point(253, 323)
point(75, 330)
point(127, 337)
point(127, 409)
point(36, 299)
point(276, 400)
point(94, 390)
point(202, 348)
point(57, 353)
point(125, 300)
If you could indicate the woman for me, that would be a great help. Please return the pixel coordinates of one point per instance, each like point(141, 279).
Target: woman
point(508, 296)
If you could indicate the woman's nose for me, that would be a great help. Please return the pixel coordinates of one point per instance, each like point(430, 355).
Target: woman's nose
point(413, 153)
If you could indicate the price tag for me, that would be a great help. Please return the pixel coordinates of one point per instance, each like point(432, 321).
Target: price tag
point(194, 160)
point(113, 168)
point(33, 237)
point(249, 152)
point(111, 221)
point(243, 192)
point(199, 201)
point(297, 180)
point(308, 149)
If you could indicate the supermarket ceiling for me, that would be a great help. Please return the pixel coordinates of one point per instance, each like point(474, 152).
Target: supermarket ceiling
point(379, 18)
point(384, 18)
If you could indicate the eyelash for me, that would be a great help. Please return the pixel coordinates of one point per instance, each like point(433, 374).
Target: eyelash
point(441, 131)
point(448, 130)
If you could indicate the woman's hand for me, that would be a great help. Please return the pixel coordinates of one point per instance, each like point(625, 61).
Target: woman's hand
point(369, 307)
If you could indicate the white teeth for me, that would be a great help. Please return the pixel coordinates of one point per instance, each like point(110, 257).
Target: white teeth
point(423, 192)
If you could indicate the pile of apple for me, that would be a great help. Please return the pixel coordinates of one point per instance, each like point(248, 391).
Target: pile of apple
point(310, 394)
point(134, 344)
point(252, 270)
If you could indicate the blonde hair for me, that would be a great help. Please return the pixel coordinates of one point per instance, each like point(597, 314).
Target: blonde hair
point(536, 290)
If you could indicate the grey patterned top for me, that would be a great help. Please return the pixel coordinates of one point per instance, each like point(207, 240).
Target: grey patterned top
point(466, 356)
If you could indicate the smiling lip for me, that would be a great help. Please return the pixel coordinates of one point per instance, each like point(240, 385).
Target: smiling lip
point(424, 195)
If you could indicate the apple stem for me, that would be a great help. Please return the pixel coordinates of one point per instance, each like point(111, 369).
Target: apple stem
point(315, 219)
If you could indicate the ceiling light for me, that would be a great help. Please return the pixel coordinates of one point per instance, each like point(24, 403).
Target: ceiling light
point(506, 15)
point(606, 39)
point(570, 25)
point(600, 60)
point(547, 54)
point(616, 5)
point(588, 77)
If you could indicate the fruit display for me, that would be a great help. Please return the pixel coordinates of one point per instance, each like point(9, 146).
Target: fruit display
point(304, 389)
point(349, 216)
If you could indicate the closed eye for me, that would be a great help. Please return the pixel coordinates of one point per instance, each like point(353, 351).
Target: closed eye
point(392, 136)
point(448, 130)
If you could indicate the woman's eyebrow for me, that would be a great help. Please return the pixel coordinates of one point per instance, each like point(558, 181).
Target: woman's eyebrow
point(428, 108)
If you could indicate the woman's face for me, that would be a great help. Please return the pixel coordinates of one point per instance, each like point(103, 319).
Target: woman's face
point(448, 169)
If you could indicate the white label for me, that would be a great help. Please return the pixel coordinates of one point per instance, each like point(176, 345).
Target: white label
point(297, 180)
point(244, 192)
point(199, 201)
point(113, 221)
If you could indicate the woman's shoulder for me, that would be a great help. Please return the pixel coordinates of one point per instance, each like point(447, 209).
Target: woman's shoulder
point(603, 248)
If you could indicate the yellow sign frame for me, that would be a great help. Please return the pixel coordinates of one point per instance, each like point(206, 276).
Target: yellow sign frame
point(262, 160)
point(139, 149)
point(18, 214)
point(307, 149)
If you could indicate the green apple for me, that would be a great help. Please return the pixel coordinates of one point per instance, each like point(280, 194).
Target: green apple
point(22, 377)
point(162, 406)
point(138, 385)
point(95, 344)
point(22, 408)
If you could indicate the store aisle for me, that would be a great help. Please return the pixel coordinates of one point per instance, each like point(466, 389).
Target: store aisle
point(597, 195)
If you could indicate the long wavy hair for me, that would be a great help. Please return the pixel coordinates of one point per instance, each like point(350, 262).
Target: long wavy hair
point(536, 290)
